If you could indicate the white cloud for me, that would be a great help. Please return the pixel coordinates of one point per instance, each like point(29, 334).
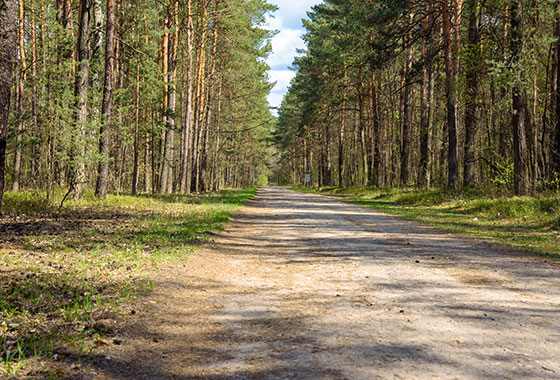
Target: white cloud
point(274, 22)
point(282, 79)
point(284, 47)
point(293, 11)
point(275, 99)
point(287, 20)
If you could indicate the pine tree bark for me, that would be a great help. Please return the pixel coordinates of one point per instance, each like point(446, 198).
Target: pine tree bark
point(471, 107)
point(164, 166)
point(200, 99)
point(555, 151)
point(22, 78)
point(363, 137)
point(210, 98)
point(97, 55)
point(147, 174)
point(186, 169)
point(118, 140)
point(341, 130)
point(81, 89)
point(166, 184)
point(137, 112)
point(452, 170)
point(520, 157)
point(8, 16)
point(36, 149)
point(380, 133)
point(328, 165)
point(215, 172)
point(172, 91)
point(426, 100)
point(406, 124)
point(503, 125)
point(107, 104)
point(457, 9)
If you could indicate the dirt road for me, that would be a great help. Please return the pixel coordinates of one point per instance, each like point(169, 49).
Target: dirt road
point(306, 287)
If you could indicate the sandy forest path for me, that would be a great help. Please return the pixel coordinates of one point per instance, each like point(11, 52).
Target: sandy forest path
point(303, 286)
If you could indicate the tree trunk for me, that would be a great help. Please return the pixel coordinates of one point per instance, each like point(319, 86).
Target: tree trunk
point(555, 154)
point(20, 98)
point(520, 159)
point(200, 99)
point(380, 132)
point(406, 123)
point(81, 89)
point(472, 73)
point(502, 124)
point(147, 174)
point(210, 98)
point(36, 148)
point(164, 166)
point(136, 113)
point(363, 141)
point(452, 170)
point(426, 101)
point(328, 168)
point(173, 92)
point(215, 172)
point(153, 151)
point(97, 58)
point(8, 16)
point(103, 170)
point(341, 130)
point(186, 170)
point(457, 16)
point(173, 39)
point(341, 147)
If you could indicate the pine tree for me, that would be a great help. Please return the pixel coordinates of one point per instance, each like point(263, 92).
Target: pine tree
point(8, 17)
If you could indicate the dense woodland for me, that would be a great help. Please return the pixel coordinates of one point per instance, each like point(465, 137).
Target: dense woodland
point(133, 96)
point(170, 96)
point(427, 93)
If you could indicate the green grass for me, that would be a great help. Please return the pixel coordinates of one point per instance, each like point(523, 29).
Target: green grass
point(62, 271)
point(530, 223)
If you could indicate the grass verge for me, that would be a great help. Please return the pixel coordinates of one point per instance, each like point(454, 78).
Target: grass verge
point(67, 277)
point(530, 223)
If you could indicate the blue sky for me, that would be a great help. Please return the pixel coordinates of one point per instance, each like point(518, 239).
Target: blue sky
point(287, 20)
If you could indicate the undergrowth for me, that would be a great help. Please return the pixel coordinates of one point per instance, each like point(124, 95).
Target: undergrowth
point(530, 223)
point(67, 275)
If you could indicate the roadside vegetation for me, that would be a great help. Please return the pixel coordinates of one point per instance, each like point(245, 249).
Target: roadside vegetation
point(531, 223)
point(68, 276)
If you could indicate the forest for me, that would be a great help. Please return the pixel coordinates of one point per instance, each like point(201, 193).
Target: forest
point(396, 93)
point(162, 218)
point(134, 96)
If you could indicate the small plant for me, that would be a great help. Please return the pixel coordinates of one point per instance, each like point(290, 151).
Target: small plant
point(554, 183)
point(555, 224)
point(504, 176)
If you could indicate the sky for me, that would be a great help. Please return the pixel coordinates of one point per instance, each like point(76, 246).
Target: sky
point(286, 20)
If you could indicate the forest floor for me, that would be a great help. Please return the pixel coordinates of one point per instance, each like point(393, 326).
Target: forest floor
point(303, 286)
point(69, 277)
